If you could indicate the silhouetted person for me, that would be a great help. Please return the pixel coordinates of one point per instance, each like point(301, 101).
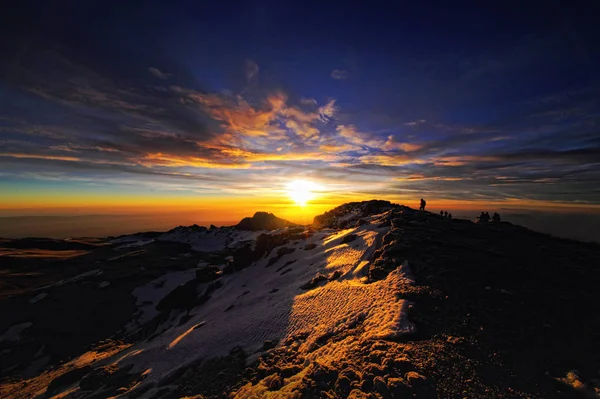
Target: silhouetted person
point(487, 217)
point(496, 217)
point(423, 203)
point(442, 213)
point(449, 216)
point(484, 217)
point(445, 214)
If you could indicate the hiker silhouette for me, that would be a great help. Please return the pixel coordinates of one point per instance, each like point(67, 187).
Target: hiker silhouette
point(449, 216)
point(445, 214)
point(442, 213)
point(423, 203)
point(496, 217)
point(484, 217)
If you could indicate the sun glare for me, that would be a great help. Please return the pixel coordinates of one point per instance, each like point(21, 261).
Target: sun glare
point(301, 191)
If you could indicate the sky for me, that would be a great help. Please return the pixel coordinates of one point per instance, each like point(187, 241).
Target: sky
point(110, 107)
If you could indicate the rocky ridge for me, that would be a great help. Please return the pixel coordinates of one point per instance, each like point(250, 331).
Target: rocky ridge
point(412, 305)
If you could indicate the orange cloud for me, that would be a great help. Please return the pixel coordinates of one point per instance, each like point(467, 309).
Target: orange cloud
point(462, 160)
point(389, 159)
point(392, 144)
point(159, 159)
point(41, 156)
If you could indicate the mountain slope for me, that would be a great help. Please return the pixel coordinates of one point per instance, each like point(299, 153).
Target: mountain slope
point(374, 300)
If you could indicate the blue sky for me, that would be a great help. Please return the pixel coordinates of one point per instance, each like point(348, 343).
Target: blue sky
point(455, 102)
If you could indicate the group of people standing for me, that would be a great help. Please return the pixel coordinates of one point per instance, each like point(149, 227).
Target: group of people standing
point(446, 214)
point(485, 217)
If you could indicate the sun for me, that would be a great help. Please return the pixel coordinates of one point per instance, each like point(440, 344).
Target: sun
point(301, 191)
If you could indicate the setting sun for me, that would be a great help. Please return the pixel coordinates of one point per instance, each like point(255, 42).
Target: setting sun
point(301, 191)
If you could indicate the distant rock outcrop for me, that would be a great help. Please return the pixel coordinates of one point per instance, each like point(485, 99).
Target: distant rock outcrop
point(350, 214)
point(263, 221)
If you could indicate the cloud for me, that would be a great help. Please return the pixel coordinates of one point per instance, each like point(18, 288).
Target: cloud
point(81, 124)
point(327, 111)
point(158, 73)
point(339, 74)
point(250, 69)
point(308, 101)
point(392, 143)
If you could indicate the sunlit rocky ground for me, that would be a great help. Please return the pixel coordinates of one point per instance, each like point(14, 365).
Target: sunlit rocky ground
point(373, 300)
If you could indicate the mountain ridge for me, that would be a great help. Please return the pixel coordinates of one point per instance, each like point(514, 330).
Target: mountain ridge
point(373, 300)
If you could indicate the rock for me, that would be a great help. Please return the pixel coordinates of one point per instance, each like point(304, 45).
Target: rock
point(380, 386)
point(398, 387)
point(367, 384)
point(414, 378)
point(361, 222)
point(377, 273)
point(324, 374)
point(350, 373)
point(66, 379)
point(358, 394)
point(315, 280)
point(182, 297)
point(269, 344)
point(335, 275)
point(349, 238)
point(273, 382)
point(289, 371)
point(419, 384)
point(109, 376)
point(342, 385)
point(263, 221)
point(284, 251)
point(310, 246)
point(207, 273)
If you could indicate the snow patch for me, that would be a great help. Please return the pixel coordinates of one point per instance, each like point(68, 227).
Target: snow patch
point(139, 243)
point(263, 303)
point(203, 240)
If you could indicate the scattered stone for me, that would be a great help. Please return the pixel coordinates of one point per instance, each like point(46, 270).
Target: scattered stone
point(314, 282)
point(273, 382)
point(269, 344)
point(358, 394)
point(289, 371)
point(380, 386)
point(310, 246)
point(335, 275)
point(342, 385)
point(349, 238)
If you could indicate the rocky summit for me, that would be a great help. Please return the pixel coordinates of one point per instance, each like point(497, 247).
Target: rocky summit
point(373, 300)
point(263, 221)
